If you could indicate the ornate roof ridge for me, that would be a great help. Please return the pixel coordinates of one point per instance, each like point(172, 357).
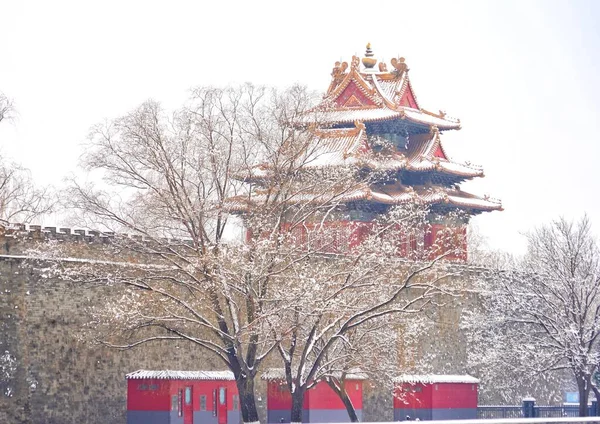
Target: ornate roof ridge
point(346, 78)
point(441, 115)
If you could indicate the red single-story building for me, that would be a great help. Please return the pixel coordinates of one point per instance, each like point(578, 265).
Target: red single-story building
point(321, 403)
point(182, 397)
point(435, 397)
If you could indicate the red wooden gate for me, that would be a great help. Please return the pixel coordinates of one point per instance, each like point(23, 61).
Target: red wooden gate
point(222, 406)
point(188, 410)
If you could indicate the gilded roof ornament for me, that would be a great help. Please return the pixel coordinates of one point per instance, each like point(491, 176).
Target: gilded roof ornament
point(382, 67)
point(355, 62)
point(400, 65)
point(338, 70)
point(360, 125)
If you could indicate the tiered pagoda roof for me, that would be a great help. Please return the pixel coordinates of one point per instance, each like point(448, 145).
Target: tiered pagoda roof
point(370, 119)
point(369, 95)
point(352, 147)
point(445, 197)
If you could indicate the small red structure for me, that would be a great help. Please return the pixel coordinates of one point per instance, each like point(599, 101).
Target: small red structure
point(435, 397)
point(182, 397)
point(321, 403)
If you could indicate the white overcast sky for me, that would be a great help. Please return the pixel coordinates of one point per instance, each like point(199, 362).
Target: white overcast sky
point(523, 77)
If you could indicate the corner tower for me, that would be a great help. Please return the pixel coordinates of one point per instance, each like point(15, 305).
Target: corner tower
point(370, 119)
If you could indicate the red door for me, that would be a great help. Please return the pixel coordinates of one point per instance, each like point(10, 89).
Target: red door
point(222, 406)
point(188, 410)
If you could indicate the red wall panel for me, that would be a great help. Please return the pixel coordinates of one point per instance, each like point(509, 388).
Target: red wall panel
point(205, 388)
point(323, 397)
point(417, 396)
point(319, 397)
point(454, 395)
point(436, 395)
point(141, 398)
point(278, 395)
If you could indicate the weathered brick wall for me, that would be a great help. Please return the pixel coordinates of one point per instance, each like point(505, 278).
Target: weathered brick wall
point(59, 377)
point(62, 378)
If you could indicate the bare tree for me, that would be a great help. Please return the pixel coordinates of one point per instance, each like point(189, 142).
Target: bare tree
point(543, 318)
point(341, 312)
point(20, 198)
point(7, 109)
point(174, 180)
point(481, 254)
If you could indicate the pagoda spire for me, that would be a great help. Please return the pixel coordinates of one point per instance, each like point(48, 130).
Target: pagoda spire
point(369, 61)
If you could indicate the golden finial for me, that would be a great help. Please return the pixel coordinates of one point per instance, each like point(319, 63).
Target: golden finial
point(369, 61)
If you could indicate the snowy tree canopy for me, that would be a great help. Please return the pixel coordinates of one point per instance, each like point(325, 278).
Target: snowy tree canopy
point(543, 318)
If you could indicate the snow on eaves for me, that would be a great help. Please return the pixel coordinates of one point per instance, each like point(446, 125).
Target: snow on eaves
point(279, 374)
point(180, 375)
point(434, 378)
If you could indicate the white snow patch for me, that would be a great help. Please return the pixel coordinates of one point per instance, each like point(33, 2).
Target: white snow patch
point(435, 378)
point(180, 375)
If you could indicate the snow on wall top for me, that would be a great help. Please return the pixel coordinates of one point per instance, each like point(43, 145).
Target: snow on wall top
point(180, 375)
point(433, 378)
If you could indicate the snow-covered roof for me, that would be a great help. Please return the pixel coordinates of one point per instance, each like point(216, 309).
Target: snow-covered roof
point(180, 375)
point(388, 195)
point(360, 96)
point(384, 97)
point(342, 116)
point(349, 147)
point(435, 378)
point(279, 374)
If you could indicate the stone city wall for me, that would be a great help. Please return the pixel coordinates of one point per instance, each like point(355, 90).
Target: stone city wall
point(50, 374)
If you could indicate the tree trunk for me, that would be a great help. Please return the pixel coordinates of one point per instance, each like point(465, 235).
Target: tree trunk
point(245, 388)
point(596, 413)
point(583, 386)
point(340, 390)
point(297, 403)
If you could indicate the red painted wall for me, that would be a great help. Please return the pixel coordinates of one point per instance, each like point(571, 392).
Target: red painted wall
point(278, 396)
point(319, 397)
point(160, 399)
point(454, 395)
point(323, 397)
point(342, 236)
point(438, 395)
point(417, 396)
point(141, 398)
point(206, 388)
point(345, 236)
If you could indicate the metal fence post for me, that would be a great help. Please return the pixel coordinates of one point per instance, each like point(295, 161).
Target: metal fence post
point(528, 407)
point(594, 411)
